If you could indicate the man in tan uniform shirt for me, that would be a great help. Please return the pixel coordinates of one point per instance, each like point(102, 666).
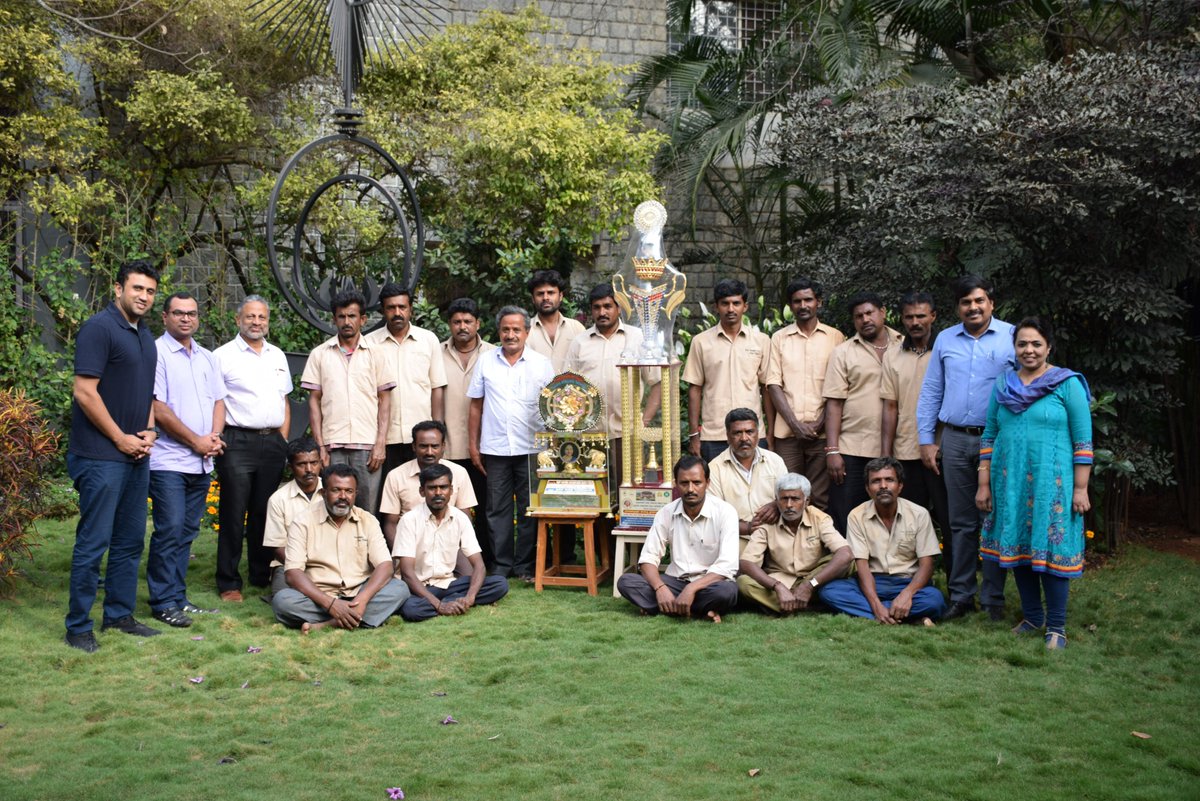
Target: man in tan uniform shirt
point(795, 383)
point(552, 332)
point(338, 567)
point(785, 562)
point(460, 353)
point(725, 370)
point(853, 410)
point(290, 501)
point(903, 373)
point(413, 356)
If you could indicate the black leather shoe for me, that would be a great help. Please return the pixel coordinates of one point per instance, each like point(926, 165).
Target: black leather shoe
point(173, 616)
point(128, 625)
point(995, 613)
point(959, 609)
point(85, 642)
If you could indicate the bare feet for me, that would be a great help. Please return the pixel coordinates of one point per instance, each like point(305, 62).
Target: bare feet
point(928, 622)
point(305, 628)
point(714, 617)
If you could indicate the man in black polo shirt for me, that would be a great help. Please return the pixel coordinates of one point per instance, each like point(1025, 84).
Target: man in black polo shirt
point(112, 431)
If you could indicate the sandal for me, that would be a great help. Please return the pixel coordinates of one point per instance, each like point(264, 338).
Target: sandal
point(1055, 641)
point(1025, 627)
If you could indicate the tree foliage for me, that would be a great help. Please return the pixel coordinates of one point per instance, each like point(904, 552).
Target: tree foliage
point(522, 152)
point(1076, 187)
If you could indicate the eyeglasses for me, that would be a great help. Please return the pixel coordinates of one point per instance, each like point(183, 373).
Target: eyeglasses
point(184, 315)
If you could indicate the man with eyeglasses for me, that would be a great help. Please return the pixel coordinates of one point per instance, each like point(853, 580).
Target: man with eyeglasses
point(189, 408)
point(257, 418)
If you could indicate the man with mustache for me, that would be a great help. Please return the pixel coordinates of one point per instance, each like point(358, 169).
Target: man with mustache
point(255, 431)
point(338, 568)
point(112, 432)
point(412, 355)
point(402, 486)
point(595, 353)
point(460, 353)
point(701, 532)
point(893, 545)
point(787, 561)
point(349, 400)
point(431, 540)
point(503, 419)
point(289, 502)
point(853, 409)
point(903, 371)
point(963, 366)
point(795, 383)
point(744, 475)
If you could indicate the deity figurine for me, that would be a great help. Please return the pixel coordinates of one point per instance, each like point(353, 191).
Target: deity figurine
point(648, 289)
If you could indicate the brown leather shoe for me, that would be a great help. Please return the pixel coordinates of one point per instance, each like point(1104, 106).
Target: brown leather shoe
point(232, 596)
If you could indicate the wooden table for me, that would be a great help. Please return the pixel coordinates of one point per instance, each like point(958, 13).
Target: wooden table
point(627, 558)
point(556, 574)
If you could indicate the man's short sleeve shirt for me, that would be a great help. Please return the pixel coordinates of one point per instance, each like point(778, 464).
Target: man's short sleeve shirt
point(729, 370)
point(124, 358)
point(786, 555)
point(434, 546)
point(415, 365)
point(402, 488)
point(895, 552)
point(797, 366)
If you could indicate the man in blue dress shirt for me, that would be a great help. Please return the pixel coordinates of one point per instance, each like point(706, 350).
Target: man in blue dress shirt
point(964, 364)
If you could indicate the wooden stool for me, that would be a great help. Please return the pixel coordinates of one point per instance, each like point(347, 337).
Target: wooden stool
point(626, 558)
point(560, 575)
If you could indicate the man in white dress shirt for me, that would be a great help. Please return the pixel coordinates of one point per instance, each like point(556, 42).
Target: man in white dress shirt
point(257, 417)
point(702, 534)
point(503, 419)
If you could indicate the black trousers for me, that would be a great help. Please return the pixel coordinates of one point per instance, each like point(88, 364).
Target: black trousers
point(719, 597)
point(924, 487)
point(249, 471)
point(479, 485)
point(850, 493)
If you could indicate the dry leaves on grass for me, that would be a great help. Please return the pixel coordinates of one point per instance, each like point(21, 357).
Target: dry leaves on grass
point(1141, 735)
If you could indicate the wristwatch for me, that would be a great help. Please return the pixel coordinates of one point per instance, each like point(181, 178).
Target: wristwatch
point(813, 581)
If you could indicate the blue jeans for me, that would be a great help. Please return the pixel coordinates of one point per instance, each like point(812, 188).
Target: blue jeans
point(178, 504)
point(112, 518)
point(845, 595)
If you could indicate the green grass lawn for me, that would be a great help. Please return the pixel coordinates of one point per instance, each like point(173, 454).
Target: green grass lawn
point(564, 696)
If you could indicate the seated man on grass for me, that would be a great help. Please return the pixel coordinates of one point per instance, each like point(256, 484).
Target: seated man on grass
point(702, 533)
point(337, 565)
point(290, 501)
point(785, 562)
point(893, 545)
point(429, 540)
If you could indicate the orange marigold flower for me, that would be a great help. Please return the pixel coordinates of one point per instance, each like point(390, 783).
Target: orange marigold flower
point(212, 510)
point(1090, 534)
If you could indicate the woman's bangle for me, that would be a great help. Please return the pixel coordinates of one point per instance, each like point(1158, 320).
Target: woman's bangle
point(834, 452)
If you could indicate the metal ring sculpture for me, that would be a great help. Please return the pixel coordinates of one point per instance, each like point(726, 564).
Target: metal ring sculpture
point(310, 302)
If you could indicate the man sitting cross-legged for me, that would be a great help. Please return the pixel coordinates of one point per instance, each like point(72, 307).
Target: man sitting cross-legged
point(702, 532)
point(429, 539)
point(785, 562)
point(893, 545)
point(337, 564)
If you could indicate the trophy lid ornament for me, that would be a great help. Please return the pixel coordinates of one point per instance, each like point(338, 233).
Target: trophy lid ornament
point(648, 289)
